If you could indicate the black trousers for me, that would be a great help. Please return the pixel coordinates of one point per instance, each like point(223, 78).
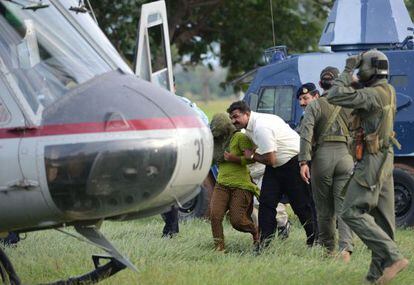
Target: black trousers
point(286, 180)
point(171, 222)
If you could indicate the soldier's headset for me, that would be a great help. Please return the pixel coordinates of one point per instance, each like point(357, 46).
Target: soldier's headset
point(380, 65)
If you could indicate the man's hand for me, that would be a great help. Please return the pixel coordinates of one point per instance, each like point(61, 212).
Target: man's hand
point(353, 62)
point(230, 157)
point(248, 153)
point(305, 173)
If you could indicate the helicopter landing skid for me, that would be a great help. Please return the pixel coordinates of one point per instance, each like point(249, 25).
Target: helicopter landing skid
point(8, 274)
point(116, 261)
point(100, 273)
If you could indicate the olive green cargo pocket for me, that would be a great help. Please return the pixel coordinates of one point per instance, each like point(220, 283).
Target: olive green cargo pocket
point(366, 172)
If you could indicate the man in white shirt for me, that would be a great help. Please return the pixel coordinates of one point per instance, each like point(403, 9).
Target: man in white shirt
point(277, 148)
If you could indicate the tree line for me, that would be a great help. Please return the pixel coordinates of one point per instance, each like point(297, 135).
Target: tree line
point(241, 29)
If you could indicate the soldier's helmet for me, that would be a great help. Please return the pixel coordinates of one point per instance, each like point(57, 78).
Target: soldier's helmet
point(373, 63)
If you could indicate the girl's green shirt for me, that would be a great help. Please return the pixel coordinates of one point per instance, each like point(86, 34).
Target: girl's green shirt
point(237, 175)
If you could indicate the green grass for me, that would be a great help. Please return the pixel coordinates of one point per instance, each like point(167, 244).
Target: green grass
point(215, 106)
point(189, 258)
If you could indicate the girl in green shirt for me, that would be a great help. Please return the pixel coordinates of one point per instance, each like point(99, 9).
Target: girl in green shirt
point(234, 188)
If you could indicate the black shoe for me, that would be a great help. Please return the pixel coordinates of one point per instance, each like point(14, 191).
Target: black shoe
point(11, 240)
point(169, 235)
point(283, 232)
point(370, 280)
point(259, 247)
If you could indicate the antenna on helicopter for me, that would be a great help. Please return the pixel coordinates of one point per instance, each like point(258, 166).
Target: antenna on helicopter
point(273, 22)
point(81, 8)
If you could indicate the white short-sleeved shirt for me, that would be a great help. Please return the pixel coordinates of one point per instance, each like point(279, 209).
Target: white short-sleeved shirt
point(271, 134)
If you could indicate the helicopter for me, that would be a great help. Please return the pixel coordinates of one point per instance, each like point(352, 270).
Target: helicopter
point(83, 138)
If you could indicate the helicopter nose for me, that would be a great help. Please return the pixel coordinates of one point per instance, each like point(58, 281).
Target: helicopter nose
point(130, 148)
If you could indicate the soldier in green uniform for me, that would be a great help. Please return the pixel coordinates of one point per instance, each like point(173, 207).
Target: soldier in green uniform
point(324, 131)
point(369, 200)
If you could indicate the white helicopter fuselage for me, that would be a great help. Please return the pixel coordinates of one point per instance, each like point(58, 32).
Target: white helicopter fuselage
point(82, 139)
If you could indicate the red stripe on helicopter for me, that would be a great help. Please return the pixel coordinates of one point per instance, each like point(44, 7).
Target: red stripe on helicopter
point(104, 127)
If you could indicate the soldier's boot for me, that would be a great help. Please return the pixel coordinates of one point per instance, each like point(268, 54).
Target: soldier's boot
point(391, 271)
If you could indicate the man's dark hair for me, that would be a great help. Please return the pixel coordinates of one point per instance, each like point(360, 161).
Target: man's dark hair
point(239, 105)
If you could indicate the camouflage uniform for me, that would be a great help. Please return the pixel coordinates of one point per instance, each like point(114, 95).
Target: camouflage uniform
point(369, 201)
point(331, 168)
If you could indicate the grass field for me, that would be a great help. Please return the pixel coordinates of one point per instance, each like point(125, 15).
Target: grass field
point(189, 258)
point(216, 106)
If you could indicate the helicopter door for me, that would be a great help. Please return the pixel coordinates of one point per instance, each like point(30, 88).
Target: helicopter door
point(153, 62)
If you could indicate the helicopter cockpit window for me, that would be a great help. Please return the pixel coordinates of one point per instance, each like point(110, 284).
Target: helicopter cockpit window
point(267, 101)
point(43, 53)
point(277, 100)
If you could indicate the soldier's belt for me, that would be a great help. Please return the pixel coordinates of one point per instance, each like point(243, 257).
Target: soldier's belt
point(335, 139)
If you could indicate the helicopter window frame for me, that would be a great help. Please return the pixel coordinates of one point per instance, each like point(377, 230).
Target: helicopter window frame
point(47, 76)
point(275, 109)
point(153, 15)
point(158, 54)
point(33, 118)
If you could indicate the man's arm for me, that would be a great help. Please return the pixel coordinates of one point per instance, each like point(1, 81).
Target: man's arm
point(312, 114)
point(241, 142)
point(265, 139)
point(242, 160)
point(344, 94)
point(268, 158)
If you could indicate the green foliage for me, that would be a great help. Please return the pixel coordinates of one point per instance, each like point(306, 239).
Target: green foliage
point(118, 19)
point(410, 7)
point(243, 29)
point(249, 31)
point(189, 258)
point(213, 107)
point(201, 83)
